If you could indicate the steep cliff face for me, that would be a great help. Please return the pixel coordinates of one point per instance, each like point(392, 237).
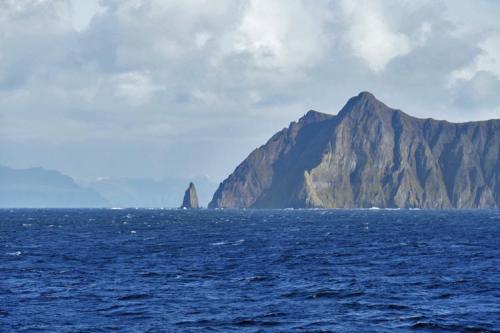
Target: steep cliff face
point(369, 155)
point(190, 198)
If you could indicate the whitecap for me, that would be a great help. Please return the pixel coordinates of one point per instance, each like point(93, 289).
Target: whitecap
point(218, 243)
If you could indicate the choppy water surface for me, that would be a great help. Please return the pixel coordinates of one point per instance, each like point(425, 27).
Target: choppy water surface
point(249, 271)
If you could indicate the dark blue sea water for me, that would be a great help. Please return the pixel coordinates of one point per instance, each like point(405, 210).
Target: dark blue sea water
point(249, 271)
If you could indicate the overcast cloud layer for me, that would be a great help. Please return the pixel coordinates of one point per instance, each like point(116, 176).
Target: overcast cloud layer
point(183, 88)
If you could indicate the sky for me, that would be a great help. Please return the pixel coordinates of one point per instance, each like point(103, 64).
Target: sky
point(178, 88)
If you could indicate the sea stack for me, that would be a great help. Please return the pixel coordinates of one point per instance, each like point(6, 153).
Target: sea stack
point(190, 198)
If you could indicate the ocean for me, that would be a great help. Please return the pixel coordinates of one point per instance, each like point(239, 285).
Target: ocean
point(140, 270)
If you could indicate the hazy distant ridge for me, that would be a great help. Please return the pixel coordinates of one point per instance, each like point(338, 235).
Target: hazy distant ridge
point(39, 188)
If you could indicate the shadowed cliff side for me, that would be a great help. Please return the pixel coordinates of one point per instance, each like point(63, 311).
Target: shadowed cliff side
point(369, 155)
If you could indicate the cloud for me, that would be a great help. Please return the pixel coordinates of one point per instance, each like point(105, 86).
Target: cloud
point(487, 60)
point(475, 86)
point(370, 35)
point(201, 78)
point(32, 33)
point(82, 12)
point(270, 33)
point(135, 87)
point(479, 92)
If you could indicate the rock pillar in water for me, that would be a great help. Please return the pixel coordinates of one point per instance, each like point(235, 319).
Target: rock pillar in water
point(190, 198)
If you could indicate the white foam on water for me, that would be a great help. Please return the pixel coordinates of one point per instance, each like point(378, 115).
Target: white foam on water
point(218, 243)
point(235, 243)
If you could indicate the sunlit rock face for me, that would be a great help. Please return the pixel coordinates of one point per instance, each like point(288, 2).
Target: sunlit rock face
point(369, 155)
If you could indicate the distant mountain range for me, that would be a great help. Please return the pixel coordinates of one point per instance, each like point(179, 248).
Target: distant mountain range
point(369, 155)
point(40, 188)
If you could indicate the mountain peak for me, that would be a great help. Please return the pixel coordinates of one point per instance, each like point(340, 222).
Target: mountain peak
point(314, 116)
point(366, 95)
point(311, 113)
point(364, 102)
point(364, 98)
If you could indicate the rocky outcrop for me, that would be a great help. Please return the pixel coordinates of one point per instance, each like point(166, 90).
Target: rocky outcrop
point(190, 198)
point(369, 155)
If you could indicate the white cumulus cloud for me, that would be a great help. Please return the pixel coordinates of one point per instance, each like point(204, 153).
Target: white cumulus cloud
point(370, 35)
point(282, 34)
